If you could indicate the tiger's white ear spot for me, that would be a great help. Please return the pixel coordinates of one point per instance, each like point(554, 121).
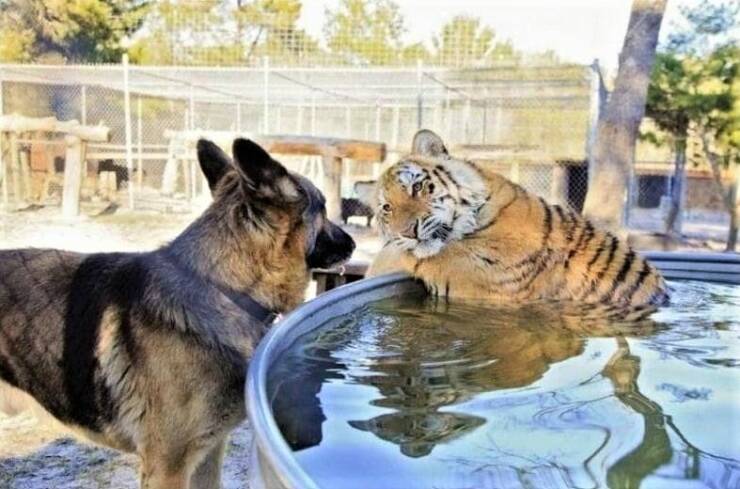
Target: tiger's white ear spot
point(428, 143)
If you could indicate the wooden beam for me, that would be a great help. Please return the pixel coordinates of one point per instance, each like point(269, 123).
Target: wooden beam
point(294, 145)
point(20, 123)
point(73, 163)
point(333, 186)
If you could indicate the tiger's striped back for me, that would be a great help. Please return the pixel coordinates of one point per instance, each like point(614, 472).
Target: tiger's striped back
point(469, 232)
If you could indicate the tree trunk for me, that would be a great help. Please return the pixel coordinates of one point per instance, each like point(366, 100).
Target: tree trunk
point(617, 130)
point(729, 197)
point(672, 223)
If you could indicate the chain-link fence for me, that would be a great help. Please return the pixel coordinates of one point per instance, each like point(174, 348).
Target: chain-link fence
point(531, 123)
point(493, 114)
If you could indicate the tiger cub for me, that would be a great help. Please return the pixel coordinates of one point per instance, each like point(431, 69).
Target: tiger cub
point(469, 232)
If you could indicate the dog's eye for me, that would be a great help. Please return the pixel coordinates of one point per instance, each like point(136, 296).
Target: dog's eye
point(417, 187)
point(386, 207)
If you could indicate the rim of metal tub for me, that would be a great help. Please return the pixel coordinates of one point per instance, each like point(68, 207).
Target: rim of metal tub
point(265, 430)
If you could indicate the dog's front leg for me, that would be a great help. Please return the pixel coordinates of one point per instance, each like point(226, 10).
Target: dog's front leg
point(159, 472)
point(208, 474)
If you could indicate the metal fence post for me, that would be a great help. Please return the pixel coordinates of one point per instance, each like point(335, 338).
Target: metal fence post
point(348, 122)
point(266, 95)
point(83, 105)
point(313, 114)
point(377, 120)
point(238, 117)
point(129, 142)
point(419, 94)
point(595, 104)
point(139, 137)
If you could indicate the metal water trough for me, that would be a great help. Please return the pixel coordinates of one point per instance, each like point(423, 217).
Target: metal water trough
point(273, 464)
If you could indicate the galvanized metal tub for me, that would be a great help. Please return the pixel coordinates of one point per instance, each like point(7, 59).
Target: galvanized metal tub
point(273, 465)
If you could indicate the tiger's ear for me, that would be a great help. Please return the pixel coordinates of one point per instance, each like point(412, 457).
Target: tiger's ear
point(428, 143)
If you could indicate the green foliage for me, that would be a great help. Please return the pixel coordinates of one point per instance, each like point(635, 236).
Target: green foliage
point(690, 85)
point(365, 31)
point(67, 30)
point(463, 42)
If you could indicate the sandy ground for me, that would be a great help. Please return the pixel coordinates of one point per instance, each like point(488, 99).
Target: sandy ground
point(36, 454)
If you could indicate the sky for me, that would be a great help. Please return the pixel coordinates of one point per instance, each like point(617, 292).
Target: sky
point(577, 30)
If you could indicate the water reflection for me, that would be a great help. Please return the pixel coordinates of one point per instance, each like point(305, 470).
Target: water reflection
point(550, 396)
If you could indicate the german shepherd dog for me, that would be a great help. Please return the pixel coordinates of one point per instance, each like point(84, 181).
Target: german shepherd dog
point(147, 352)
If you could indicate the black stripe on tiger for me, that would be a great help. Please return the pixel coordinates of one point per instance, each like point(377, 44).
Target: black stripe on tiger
point(609, 259)
point(447, 173)
point(441, 179)
point(641, 277)
point(587, 234)
point(493, 220)
point(599, 251)
point(629, 259)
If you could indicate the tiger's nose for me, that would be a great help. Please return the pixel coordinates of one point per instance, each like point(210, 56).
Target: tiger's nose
point(411, 231)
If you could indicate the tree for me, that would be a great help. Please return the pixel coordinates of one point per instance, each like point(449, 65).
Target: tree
point(694, 89)
point(69, 31)
point(365, 31)
point(463, 42)
point(274, 31)
point(610, 169)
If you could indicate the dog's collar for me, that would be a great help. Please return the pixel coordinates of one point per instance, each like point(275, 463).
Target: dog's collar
point(243, 300)
point(249, 305)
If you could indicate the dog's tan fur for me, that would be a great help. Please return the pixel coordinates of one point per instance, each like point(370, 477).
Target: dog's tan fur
point(147, 352)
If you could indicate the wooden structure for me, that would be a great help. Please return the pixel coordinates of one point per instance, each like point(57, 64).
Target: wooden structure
point(334, 152)
point(76, 137)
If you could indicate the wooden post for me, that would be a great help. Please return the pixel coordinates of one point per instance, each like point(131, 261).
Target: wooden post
point(139, 136)
point(15, 165)
point(24, 164)
point(559, 185)
point(72, 176)
point(514, 175)
point(333, 186)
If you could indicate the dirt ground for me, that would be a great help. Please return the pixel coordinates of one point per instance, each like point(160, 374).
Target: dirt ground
point(36, 454)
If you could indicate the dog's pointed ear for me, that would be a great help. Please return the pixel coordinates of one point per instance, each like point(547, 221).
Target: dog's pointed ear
point(213, 161)
point(256, 165)
point(428, 143)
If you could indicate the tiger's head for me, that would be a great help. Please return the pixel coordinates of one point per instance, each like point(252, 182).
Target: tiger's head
point(429, 199)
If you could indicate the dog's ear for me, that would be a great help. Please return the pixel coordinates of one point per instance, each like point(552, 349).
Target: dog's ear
point(213, 161)
point(256, 166)
point(428, 143)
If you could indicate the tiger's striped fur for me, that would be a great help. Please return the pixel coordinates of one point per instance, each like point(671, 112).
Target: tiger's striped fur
point(469, 232)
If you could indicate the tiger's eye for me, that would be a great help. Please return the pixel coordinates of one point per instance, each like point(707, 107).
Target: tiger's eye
point(417, 187)
point(431, 187)
point(387, 207)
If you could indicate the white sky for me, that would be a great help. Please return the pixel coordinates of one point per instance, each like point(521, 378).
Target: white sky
point(578, 30)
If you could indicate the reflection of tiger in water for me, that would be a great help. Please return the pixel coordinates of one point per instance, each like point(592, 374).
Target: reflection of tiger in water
point(469, 232)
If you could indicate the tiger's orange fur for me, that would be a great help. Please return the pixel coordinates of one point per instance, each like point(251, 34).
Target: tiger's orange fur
point(469, 232)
